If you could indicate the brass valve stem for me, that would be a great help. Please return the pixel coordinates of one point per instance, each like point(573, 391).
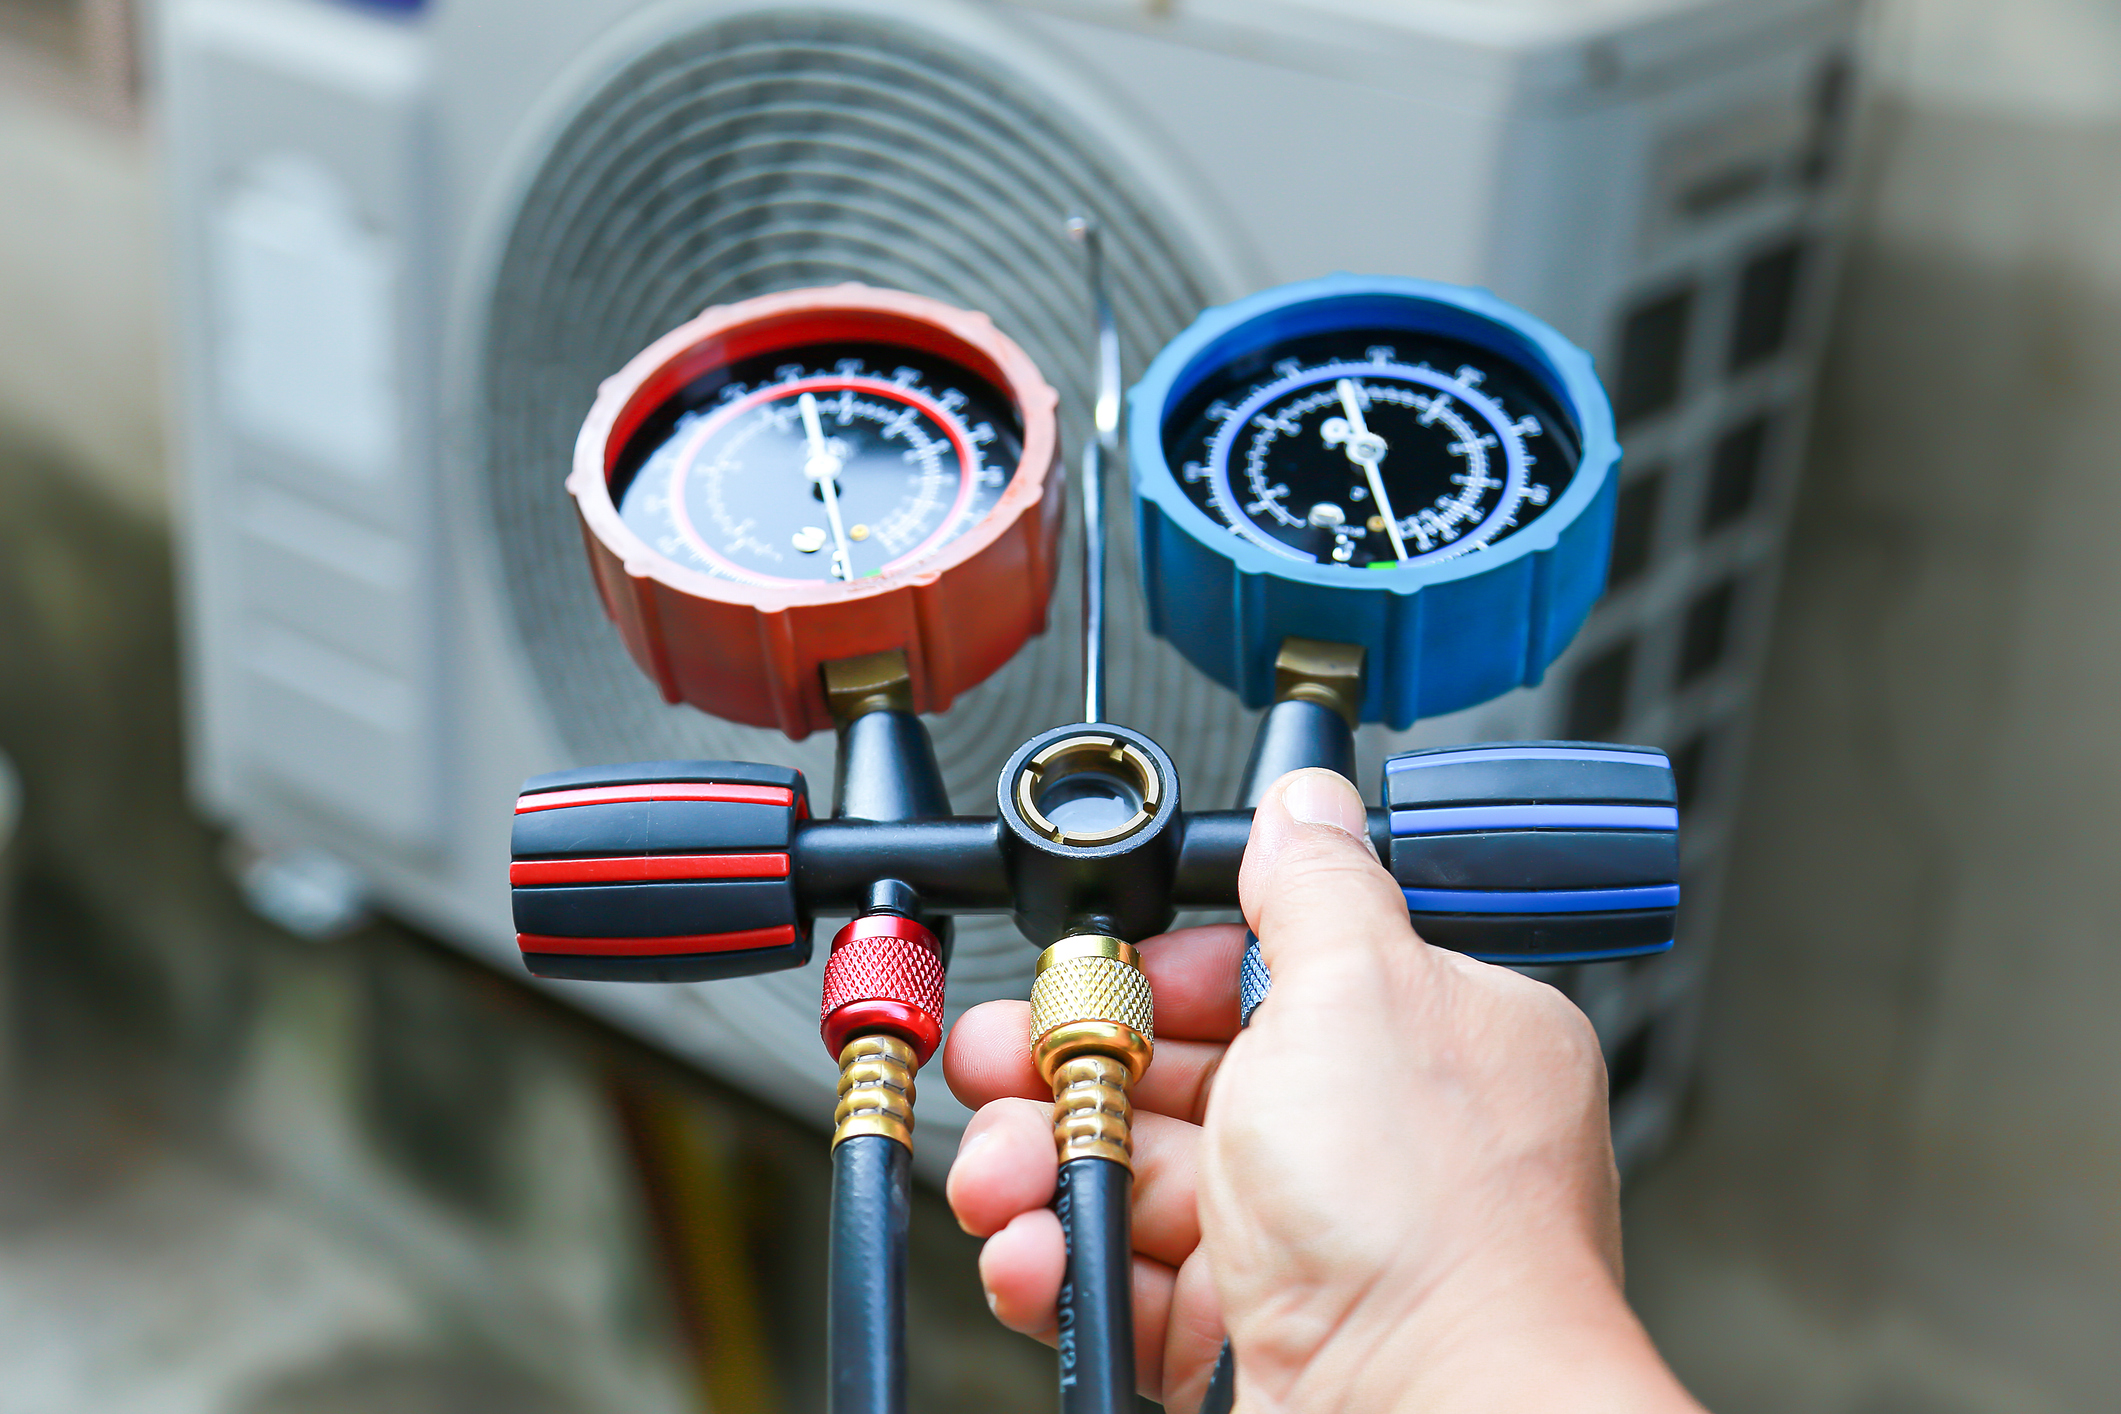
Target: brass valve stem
point(1329, 674)
point(1092, 1035)
point(876, 1089)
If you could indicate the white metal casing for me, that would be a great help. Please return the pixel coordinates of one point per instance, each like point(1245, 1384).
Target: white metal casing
point(343, 182)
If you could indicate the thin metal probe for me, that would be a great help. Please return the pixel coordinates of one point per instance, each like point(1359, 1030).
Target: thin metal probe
point(1105, 444)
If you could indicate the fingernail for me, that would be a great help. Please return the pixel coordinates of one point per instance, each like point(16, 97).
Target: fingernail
point(965, 1146)
point(1326, 798)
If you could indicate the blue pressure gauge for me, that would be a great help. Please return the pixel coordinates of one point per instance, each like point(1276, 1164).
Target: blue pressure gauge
point(1413, 468)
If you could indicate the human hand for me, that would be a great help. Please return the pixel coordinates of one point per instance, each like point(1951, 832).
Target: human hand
point(1394, 1190)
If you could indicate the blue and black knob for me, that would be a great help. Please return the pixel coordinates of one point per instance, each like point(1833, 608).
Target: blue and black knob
point(1537, 852)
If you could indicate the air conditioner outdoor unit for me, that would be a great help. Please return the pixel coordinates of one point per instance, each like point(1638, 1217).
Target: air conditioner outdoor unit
point(410, 241)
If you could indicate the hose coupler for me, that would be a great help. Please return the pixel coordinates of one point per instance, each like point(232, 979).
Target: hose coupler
point(881, 1016)
point(876, 1089)
point(1092, 1036)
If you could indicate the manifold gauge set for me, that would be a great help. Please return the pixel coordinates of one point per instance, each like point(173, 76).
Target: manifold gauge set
point(1359, 499)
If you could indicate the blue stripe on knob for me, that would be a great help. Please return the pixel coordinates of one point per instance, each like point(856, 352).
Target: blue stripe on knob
point(1559, 959)
point(1541, 900)
point(1464, 818)
point(1525, 753)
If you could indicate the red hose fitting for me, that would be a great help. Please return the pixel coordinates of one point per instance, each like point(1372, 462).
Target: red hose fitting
point(885, 974)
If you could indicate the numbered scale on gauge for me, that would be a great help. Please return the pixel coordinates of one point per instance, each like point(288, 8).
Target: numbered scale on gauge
point(814, 476)
point(832, 462)
point(1375, 462)
point(1373, 448)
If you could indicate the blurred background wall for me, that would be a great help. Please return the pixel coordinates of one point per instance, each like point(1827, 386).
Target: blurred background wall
point(1900, 1189)
point(248, 1172)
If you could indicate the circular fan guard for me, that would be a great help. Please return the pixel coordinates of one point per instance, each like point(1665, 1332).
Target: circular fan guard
point(770, 151)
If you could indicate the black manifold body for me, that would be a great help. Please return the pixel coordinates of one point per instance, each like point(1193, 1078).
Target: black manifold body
point(1525, 852)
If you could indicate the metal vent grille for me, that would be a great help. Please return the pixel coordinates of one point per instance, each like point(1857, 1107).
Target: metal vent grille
point(780, 150)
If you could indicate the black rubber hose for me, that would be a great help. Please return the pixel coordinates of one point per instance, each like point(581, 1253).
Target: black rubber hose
point(1252, 983)
point(1096, 1296)
point(866, 1313)
point(1293, 735)
point(1222, 1385)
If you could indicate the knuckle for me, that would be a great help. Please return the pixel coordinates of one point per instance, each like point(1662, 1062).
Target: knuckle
point(1568, 1035)
point(1543, 1016)
point(1307, 880)
point(1204, 1085)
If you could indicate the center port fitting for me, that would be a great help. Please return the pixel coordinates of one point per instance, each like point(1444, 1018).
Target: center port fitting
point(1093, 1034)
point(1090, 832)
point(1090, 789)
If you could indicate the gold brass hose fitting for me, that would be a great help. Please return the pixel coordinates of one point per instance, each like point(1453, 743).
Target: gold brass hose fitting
point(1092, 1035)
point(1329, 674)
point(873, 682)
point(876, 1089)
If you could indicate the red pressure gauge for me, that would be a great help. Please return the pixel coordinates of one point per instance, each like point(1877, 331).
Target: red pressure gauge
point(817, 475)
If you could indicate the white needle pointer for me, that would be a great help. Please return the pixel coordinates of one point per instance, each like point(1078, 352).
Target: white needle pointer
point(1366, 449)
point(824, 468)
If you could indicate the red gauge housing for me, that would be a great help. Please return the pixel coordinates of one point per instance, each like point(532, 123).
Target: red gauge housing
point(751, 652)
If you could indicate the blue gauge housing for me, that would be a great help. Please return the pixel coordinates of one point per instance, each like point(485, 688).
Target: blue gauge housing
point(1440, 632)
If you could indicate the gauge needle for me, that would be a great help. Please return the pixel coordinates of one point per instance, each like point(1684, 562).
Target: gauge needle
point(1366, 449)
point(824, 468)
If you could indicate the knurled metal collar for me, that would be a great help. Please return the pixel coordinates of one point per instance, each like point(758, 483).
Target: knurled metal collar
point(1077, 945)
point(885, 974)
point(1091, 997)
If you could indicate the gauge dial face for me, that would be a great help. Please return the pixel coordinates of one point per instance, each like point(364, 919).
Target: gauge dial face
point(835, 462)
point(1372, 448)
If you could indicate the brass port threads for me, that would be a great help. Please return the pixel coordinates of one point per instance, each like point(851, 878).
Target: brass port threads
point(1104, 766)
point(1092, 1035)
point(876, 1089)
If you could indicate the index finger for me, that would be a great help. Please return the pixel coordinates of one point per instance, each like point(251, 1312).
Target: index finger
point(1193, 974)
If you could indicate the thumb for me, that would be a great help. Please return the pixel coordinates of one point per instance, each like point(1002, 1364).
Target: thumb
point(1311, 885)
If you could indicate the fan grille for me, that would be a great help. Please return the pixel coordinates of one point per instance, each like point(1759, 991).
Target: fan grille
point(778, 150)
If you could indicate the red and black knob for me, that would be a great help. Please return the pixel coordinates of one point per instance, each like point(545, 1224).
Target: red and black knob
point(661, 871)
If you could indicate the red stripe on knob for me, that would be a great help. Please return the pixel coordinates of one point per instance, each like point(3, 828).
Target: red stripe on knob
point(673, 790)
point(645, 868)
point(674, 946)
